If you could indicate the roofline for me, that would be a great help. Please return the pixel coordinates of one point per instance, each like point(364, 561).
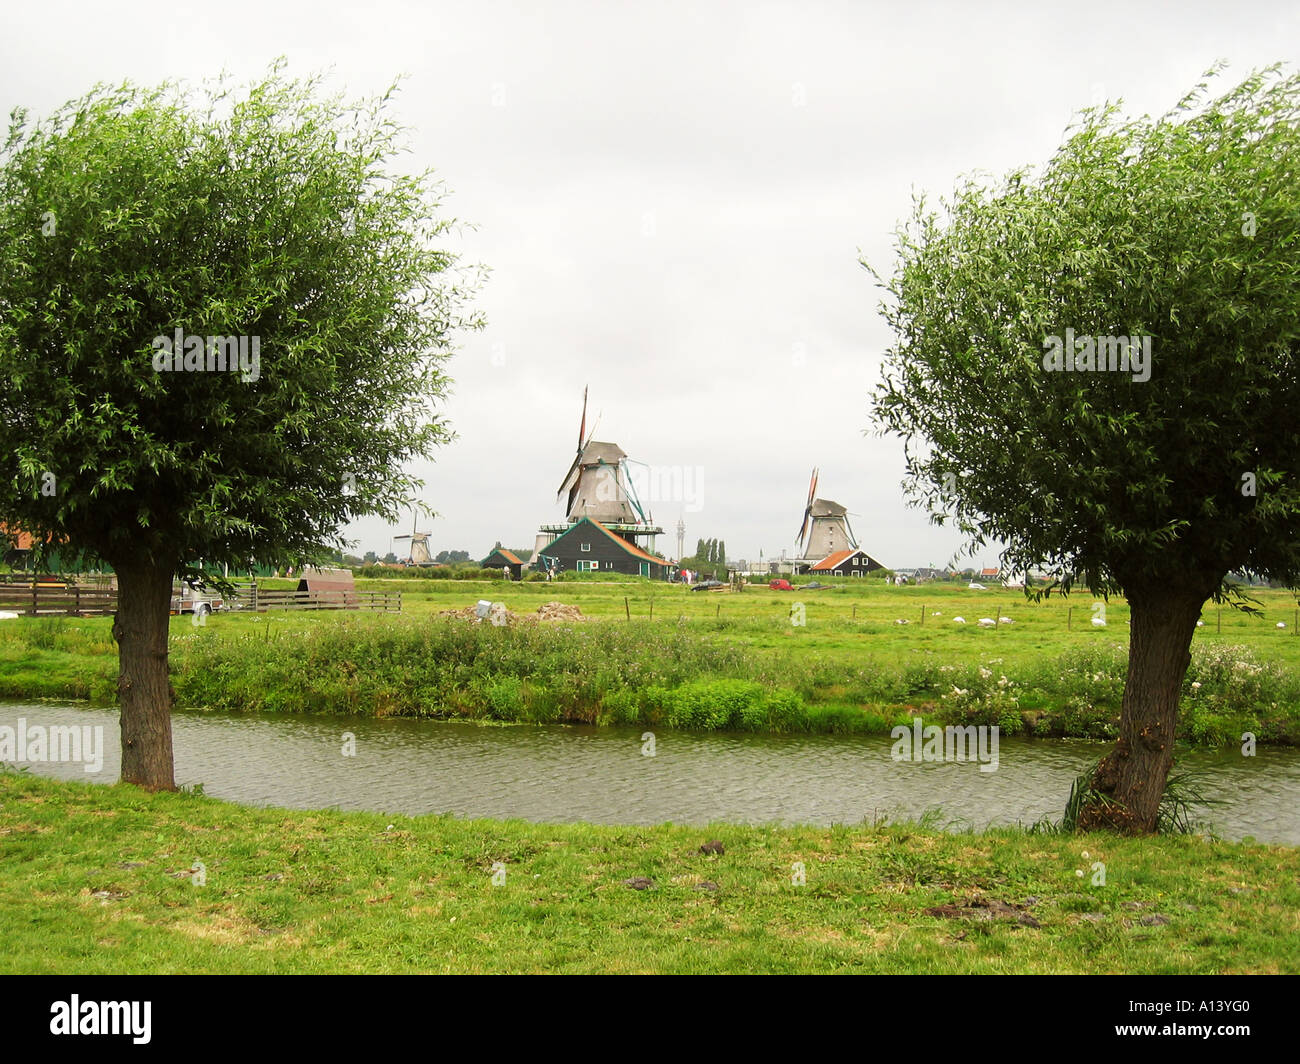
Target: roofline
point(630, 548)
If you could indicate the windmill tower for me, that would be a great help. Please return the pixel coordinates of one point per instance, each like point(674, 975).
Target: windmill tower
point(597, 486)
point(825, 528)
point(419, 552)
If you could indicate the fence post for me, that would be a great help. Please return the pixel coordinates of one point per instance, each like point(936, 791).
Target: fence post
point(626, 608)
point(1068, 618)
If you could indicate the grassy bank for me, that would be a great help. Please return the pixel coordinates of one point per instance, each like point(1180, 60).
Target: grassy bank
point(703, 661)
point(99, 879)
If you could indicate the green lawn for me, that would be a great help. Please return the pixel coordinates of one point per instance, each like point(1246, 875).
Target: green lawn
point(97, 879)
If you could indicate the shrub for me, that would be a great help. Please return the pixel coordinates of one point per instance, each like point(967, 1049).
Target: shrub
point(785, 712)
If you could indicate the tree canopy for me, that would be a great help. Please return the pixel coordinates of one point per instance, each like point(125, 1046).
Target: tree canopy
point(1183, 230)
point(135, 214)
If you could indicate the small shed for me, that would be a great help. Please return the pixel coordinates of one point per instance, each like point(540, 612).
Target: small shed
point(500, 558)
point(334, 586)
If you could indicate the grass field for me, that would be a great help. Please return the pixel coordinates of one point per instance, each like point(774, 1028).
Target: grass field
point(102, 879)
point(657, 654)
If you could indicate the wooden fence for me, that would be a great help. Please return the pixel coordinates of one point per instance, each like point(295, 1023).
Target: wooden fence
point(71, 596)
point(56, 596)
point(250, 596)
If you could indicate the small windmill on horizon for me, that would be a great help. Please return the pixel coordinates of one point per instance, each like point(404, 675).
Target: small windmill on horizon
point(419, 551)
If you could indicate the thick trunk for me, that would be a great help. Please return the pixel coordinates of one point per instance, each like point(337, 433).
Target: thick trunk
point(144, 691)
point(1132, 777)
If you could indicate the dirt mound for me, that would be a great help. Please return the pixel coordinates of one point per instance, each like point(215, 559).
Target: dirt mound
point(558, 611)
point(499, 615)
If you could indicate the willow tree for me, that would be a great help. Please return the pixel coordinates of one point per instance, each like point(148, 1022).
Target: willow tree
point(1095, 367)
point(223, 317)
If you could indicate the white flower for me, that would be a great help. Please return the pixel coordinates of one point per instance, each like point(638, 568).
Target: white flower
point(1196, 685)
point(985, 674)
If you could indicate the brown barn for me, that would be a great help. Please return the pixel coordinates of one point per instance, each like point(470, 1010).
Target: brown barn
point(328, 585)
point(500, 558)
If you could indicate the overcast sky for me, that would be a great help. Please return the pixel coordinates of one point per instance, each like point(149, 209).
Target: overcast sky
point(673, 199)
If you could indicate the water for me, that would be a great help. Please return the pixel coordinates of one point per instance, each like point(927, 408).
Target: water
point(561, 774)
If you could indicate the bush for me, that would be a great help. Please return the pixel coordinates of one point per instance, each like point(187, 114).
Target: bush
point(785, 712)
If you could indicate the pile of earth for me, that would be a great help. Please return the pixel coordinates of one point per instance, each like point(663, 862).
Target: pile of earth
point(499, 615)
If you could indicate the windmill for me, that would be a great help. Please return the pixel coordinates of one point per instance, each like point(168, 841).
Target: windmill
point(597, 486)
point(825, 527)
point(419, 552)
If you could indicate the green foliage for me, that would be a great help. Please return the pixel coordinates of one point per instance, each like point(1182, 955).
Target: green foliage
point(270, 212)
point(415, 572)
point(1181, 228)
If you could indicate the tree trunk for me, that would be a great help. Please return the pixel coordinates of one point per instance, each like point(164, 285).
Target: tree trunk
point(1131, 778)
point(144, 692)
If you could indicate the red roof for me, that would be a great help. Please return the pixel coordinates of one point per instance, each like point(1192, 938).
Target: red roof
point(24, 538)
point(988, 572)
point(833, 561)
point(507, 555)
point(636, 552)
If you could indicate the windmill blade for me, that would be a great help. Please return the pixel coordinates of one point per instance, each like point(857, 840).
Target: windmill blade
point(853, 540)
point(630, 491)
point(807, 510)
point(582, 427)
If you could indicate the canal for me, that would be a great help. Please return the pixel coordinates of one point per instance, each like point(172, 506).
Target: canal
point(615, 776)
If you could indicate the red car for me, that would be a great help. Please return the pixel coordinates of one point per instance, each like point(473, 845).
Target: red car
point(780, 585)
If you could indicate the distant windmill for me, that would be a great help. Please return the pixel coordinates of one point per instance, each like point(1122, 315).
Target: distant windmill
point(825, 527)
point(419, 552)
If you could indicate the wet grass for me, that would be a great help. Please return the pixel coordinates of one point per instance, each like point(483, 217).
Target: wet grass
point(100, 879)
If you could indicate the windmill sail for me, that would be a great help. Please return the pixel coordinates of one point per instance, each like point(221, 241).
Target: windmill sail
point(807, 510)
